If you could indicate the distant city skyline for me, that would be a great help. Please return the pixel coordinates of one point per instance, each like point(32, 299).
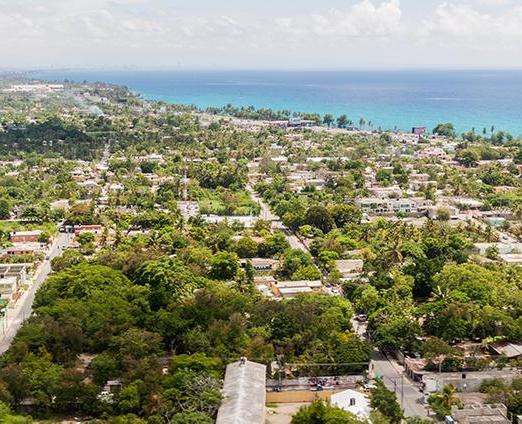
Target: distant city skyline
point(234, 34)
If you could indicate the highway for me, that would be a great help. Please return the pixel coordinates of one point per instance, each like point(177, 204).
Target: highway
point(24, 307)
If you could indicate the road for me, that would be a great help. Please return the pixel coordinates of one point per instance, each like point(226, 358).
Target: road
point(267, 215)
point(408, 394)
point(24, 307)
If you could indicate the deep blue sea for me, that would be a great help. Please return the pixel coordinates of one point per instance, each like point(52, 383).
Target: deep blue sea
point(389, 99)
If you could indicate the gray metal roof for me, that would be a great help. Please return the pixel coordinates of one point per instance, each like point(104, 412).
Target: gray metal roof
point(244, 394)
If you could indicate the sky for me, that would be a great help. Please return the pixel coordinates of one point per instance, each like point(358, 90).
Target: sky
point(263, 34)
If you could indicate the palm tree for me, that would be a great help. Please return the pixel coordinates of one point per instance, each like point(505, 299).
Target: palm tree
point(448, 396)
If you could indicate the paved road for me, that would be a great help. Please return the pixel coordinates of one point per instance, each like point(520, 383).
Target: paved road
point(408, 394)
point(266, 214)
point(24, 307)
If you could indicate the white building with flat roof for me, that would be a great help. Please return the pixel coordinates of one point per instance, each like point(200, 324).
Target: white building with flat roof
point(354, 402)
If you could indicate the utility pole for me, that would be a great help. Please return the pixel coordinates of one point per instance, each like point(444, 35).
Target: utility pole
point(402, 391)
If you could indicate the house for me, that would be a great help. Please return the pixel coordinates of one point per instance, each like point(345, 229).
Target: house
point(260, 264)
point(481, 414)
point(354, 402)
point(289, 289)
point(88, 228)
point(19, 271)
point(509, 350)
point(29, 248)
point(25, 236)
point(467, 382)
point(8, 287)
point(503, 248)
point(381, 206)
point(89, 185)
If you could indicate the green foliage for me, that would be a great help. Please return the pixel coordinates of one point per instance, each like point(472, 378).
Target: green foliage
point(7, 416)
point(447, 130)
point(320, 412)
point(384, 401)
point(443, 401)
point(169, 280)
point(225, 266)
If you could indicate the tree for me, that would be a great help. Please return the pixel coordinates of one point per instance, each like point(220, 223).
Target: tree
point(191, 418)
point(328, 119)
point(7, 416)
point(443, 214)
point(246, 248)
point(320, 412)
point(442, 402)
point(5, 209)
point(446, 130)
point(224, 266)
point(345, 213)
point(273, 245)
point(385, 401)
point(468, 157)
point(342, 121)
point(319, 217)
point(170, 280)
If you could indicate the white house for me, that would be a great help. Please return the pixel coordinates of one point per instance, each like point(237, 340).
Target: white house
point(352, 401)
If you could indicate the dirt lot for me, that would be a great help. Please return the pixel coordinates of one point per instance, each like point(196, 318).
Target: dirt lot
point(281, 413)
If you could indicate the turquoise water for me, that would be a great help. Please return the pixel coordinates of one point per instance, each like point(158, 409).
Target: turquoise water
point(389, 99)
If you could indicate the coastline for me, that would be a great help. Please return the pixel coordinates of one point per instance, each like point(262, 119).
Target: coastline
point(399, 100)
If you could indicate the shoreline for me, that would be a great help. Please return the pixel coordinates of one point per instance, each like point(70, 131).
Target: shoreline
point(387, 104)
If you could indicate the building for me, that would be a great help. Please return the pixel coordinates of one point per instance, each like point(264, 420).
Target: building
point(350, 268)
point(29, 248)
point(14, 270)
point(95, 229)
point(290, 289)
point(382, 206)
point(244, 394)
point(25, 236)
point(466, 382)
point(508, 350)
point(261, 264)
point(8, 287)
point(481, 414)
point(352, 401)
point(12, 278)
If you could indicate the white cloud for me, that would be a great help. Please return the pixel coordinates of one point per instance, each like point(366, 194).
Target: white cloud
point(455, 24)
point(146, 32)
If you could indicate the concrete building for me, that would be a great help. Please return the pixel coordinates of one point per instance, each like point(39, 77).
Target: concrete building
point(352, 401)
point(25, 236)
point(244, 394)
point(383, 206)
point(481, 414)
point(290, 289)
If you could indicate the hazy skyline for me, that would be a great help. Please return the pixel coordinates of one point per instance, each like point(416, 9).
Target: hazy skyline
point(234, 34)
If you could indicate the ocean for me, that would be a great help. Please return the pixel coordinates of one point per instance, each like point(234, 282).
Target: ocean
point(390, 99)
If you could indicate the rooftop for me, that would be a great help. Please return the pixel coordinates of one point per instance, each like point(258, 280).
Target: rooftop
point(243, 394)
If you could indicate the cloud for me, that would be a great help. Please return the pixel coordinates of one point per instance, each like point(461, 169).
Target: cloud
point(150, 32)
point(455, 24)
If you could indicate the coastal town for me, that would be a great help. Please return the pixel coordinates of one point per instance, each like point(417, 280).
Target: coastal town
point(162, 263)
